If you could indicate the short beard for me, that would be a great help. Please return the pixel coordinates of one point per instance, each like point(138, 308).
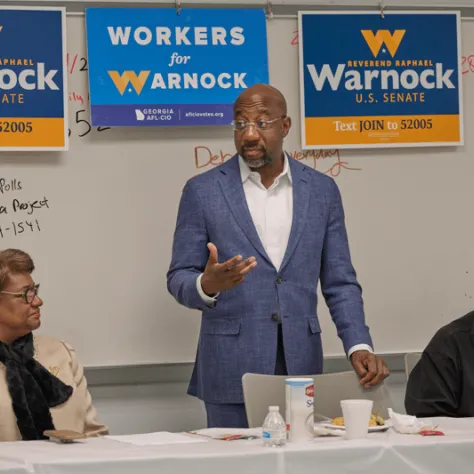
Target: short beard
point(256, 164)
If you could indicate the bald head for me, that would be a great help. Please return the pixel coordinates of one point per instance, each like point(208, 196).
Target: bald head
point(264, 94)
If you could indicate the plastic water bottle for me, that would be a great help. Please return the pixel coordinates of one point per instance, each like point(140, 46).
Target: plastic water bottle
point(274, 428)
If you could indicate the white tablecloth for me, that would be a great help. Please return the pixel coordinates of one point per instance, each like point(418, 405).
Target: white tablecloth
point(11, 466)
point(380, 453)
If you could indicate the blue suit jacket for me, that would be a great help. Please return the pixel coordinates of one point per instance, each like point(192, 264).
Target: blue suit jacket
point(239, 334)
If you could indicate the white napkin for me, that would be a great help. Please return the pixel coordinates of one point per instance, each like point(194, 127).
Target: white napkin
point(407, 424)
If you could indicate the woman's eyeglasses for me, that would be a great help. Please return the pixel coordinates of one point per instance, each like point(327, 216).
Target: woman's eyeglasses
point(28, 295)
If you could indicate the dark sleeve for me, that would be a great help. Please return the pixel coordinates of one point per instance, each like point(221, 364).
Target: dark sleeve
point(433, 388)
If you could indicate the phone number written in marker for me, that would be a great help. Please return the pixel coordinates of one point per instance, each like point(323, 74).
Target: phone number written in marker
point(18, 228)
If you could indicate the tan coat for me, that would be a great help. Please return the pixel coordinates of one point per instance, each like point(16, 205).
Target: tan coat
point(77, 413)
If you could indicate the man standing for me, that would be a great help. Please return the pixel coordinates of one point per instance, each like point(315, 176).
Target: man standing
point(252, 239)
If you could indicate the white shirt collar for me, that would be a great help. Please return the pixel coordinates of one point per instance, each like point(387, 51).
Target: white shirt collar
point(246, 171)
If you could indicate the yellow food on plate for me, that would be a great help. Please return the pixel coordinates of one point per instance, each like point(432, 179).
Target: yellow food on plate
point(339, 421)
point(375, 420)
point(378, 420)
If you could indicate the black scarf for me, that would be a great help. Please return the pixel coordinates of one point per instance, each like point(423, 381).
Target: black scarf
point(32, 388)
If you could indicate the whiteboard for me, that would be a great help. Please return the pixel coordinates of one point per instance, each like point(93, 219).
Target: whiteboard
point(105, 239)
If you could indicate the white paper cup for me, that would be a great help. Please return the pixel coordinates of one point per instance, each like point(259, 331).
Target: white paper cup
point(356, 417)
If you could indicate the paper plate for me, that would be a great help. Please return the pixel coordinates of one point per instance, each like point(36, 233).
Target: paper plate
point(372, 429)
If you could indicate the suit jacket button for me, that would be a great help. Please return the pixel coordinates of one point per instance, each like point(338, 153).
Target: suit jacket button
point(279, 280)
point(275, 317)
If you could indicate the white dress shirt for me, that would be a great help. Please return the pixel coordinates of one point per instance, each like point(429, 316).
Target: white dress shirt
point(272, 214)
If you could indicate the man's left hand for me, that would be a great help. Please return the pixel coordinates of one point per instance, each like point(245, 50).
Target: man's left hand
point(371, 369)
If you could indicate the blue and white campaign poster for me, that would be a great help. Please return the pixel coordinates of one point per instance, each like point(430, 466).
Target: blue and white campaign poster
point(152, 66)
point(33, 83)
point(369, 81)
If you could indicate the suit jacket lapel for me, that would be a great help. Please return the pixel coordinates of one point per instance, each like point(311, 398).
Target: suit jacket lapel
point(301, 193)
point(231, 184)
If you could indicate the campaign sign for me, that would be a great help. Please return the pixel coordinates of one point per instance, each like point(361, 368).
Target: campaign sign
point(380, 81)
point(152, 66)
point(33, 84)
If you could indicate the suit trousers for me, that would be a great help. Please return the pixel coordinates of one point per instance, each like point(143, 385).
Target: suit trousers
point(233, 415)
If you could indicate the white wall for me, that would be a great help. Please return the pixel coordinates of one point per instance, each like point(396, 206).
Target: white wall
point(128, 409)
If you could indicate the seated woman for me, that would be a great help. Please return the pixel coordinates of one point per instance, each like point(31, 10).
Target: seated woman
point(42, 384)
